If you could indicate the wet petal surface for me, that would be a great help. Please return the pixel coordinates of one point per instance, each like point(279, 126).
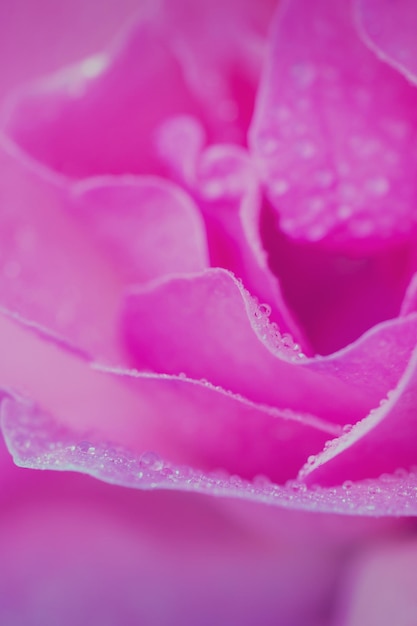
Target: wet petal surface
point(327, 106)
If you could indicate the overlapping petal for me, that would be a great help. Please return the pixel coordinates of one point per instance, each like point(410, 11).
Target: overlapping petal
point(207, 326)
point(186, 421)
point(50, 272)
point(389, 29)
point(101, 116)
point(334, 132)
point(382, 442)
point(41, 37)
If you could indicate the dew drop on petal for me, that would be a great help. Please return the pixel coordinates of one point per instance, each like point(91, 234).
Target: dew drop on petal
point(151, 460)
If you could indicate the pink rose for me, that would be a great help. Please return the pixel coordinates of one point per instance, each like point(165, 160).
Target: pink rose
point(207, 245)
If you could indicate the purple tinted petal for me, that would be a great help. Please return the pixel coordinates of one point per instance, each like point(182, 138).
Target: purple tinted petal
point(389, 29)
point(381, 587)
point(75, 551)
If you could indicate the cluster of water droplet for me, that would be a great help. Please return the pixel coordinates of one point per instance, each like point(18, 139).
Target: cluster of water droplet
point(281, 344)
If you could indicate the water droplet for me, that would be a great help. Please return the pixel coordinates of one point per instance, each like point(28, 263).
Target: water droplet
point(283, 114)
point(151, 460)
point(378, 186)
point(316, 232)
point(269, 145)
point(261, 481)
point(324, 178)
point(280, 187)
point(306, 149)
point(93, 66)
point(303, 74)
point(287, 340)
point(264, 310)
point(86, 447)
point(297, 486)
point(344, 211)
point(213, 188)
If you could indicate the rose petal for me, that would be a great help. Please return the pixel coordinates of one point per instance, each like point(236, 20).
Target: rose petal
point(206, 325)
point(187, 422)
point(337, 296)
point(75, 551)
point(226, 187)
point(409, 303)
point(334, 132)
point(389, 29)
point(146, 226)
point(101, 116)
point(41, 37)
point(382, 587)
point(37, 442)
point(382, 442)
point(50, 273)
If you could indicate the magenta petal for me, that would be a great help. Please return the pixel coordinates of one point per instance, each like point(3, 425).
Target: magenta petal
point(389, 28)
point(334, 131)
point(409, 303)
point(382, 442)
point(147, 227)
point(207, 326)
point(51, 274)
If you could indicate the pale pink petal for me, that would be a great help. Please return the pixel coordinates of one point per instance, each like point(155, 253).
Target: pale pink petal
point(381, 589)
point(389, 28)
point(207, 326)
point(42, 36)
point(102, 115)
point(337, 295)
point(334, 132)
point(185, 421)
point(147, 227)
point(382, 442)
point(49, 271)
